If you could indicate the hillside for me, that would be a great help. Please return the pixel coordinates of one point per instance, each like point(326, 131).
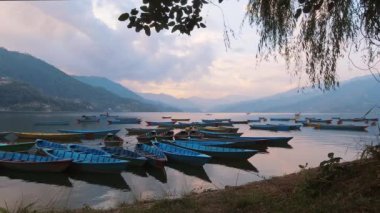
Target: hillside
point(356, 95)
point(123, 92)
point(52, 82)
point(17, 96)
point(109, 85)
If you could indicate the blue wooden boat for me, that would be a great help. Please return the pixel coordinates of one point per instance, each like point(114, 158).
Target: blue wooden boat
point(281, 119)
point(155, 157)
point(33, 163)
point(182, 155)
point(141, 131)
point(219, 129)
point(40, 145)
point(82, 162)
point(318, 120)
point(216, 120)
point(239, 122)
point(159, 123)
point(210, 134)
point(91, 134)
point(270, 141)
point(125, 154)
point(116, 121)
point(87, 150)
point(341, 127)
point(88, 119)
point(125, 120)
point(254, 120)
point(16, 147)
point(217, 152)
point(260, 145)
point(219, 122)
point(52, 123)
point(275, 127)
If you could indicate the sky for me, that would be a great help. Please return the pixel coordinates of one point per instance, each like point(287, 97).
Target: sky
point(84, 37)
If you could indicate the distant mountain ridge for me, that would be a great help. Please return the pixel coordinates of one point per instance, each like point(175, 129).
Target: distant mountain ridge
point(124, 92)
point(52, 82)
point(181, 103)
point(355, 95)
point(109, 85)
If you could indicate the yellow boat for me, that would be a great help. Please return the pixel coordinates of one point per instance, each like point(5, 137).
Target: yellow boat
point(49, 136)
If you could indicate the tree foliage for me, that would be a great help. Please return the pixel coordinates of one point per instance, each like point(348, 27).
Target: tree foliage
point(311, 35)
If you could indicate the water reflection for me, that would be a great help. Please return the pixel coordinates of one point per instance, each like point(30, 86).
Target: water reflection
point(285, 146)
point(46, 178)
point(158, 174)
point(141, 172)
point(307, 145)
point(236, 164)
point(196, 171)
point(115, 181)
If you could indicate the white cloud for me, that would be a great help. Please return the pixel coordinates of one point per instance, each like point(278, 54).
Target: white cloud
point(85, 38)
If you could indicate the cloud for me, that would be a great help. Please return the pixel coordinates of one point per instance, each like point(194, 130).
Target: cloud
point(85, 38)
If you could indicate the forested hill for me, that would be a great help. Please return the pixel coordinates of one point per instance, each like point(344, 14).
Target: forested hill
point(52, 82)
point(17, 96)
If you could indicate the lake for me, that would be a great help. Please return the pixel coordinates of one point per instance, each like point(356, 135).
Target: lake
point(105, 191)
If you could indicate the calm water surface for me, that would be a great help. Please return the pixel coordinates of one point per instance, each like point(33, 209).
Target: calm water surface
point(105, 191)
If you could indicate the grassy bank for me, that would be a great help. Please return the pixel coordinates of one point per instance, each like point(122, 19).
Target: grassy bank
point(332, 187)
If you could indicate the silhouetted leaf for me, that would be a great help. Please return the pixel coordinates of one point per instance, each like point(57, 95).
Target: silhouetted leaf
point(123, 17)
point(134, 11)
point(147, 30)
point(144, 8)
point(298, 13)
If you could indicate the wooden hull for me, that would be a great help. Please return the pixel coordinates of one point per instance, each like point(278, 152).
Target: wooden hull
point(276, 127)
point(113, 143)
point(281, 119)
point(180, 119)
point(190, 160)
point(49, 136)
point(17, 147)
point(218, 152)
point(123, 122)
point(97, 167)
point(157, 163)
point(239, 122)
point(57, 166)
point(209, 134)
point(260, 146)
point(153, 123)
point(342, 127)
point(221, 129)
point(140, 131)
point(83, 162)
point(91, 134)
point(181, 155)
point(154, 156)
point(133, 158)
point(52, 123)
point(132, 161)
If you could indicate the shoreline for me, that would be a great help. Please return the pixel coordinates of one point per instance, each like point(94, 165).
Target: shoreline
point(352, 186)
